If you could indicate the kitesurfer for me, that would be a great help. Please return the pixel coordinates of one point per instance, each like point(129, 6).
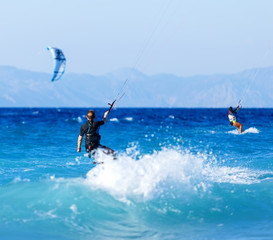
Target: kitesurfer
point(232, 115)
point(92, 137)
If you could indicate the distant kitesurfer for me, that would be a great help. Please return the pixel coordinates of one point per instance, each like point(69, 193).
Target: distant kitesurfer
point(232, 115)
point(92, 137)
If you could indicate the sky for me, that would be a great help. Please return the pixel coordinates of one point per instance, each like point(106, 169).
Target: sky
point(179, 37)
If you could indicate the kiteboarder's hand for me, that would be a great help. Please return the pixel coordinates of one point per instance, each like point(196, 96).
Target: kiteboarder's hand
point(78, 149)
point(105, 114)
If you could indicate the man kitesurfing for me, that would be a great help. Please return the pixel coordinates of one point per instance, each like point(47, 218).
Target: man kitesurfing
point(232, 116)
point(92, 137)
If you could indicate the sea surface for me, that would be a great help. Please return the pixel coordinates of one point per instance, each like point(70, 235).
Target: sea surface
point(179, 174)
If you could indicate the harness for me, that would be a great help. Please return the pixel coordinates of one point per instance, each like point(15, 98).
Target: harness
point(232, 117)
point(92, 141)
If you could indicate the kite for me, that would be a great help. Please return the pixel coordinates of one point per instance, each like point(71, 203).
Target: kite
point(59, 63)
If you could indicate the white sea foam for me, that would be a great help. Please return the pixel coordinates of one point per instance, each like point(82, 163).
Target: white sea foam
point(236, 175)
point(153, 173)
point(28, 169)
point(19, 179)
point(251, 130)
point(74, 208)
point(130, 119)
point(46, 214)
point(114, 120)
point(248, 130)
point(79, 119)
point(127, 177)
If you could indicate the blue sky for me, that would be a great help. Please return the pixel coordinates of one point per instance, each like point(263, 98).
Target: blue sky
point(172, 36)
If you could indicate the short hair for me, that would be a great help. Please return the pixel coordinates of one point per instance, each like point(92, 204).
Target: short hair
point(92, 112)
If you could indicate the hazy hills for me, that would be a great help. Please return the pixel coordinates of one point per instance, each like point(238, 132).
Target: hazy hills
point(21, 88)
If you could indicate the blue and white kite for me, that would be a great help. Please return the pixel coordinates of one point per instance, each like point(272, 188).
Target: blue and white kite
point(59, 63)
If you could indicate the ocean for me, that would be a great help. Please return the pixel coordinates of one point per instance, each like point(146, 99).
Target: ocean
point(179, 174)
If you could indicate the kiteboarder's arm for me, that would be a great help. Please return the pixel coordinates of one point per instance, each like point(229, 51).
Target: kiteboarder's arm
point(80, 139)
point(236, 109)
point(105, 116)
point(79, 143)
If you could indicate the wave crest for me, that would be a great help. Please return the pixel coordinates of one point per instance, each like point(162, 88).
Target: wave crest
point(164, 171)
point(248, 130)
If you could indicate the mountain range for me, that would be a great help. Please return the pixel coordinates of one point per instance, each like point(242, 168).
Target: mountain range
point(23, 88)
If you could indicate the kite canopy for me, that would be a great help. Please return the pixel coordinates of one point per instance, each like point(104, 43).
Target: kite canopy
point(59, 63)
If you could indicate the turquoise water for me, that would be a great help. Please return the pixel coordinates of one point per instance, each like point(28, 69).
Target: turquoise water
point(179, 174)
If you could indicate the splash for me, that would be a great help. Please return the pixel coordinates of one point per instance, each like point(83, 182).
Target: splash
point(161, 171)
point(128, 177)
point(251, 130)
point(248, 130)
